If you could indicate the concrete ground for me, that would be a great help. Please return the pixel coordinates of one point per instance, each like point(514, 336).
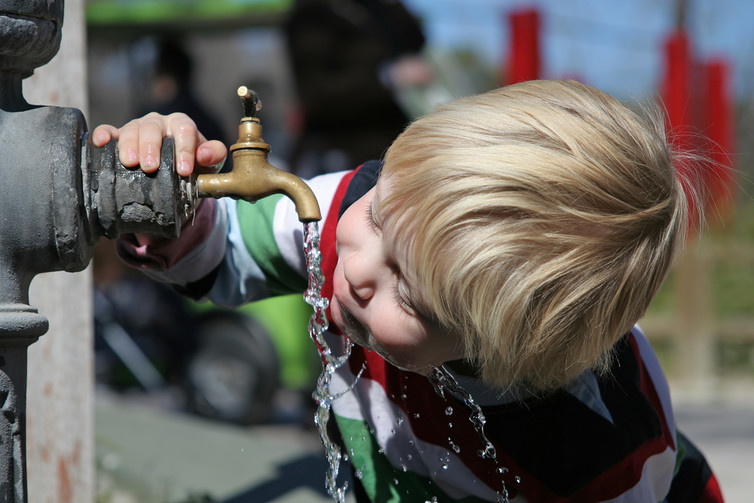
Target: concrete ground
point(725, 434)
point(721, 424)
point(149, 454)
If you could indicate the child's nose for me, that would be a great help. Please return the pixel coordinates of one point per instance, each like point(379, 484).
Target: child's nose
point(359, 277)
point(363, 291)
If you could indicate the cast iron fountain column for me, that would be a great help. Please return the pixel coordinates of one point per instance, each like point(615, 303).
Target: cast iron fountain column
point(58, 195)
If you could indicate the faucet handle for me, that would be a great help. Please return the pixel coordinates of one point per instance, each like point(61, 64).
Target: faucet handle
point(250, 101)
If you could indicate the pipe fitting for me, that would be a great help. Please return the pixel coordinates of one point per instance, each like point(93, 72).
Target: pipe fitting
point(122, 200)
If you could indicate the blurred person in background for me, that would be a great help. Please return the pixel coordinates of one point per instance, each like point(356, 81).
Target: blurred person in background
point(351, 59)
point(171, 90)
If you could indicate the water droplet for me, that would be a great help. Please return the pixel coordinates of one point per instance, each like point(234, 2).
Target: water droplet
point(454, 446)
point(395, 482)
point(399, 421)
point(443, 381)
point(517, 479)
point(417, 415)
point(502, 470)
point(445, 460)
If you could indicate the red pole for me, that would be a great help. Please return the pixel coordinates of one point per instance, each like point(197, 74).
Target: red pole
point(676, 88)
point(676, 95)
point(718, 126)
point(523, 53)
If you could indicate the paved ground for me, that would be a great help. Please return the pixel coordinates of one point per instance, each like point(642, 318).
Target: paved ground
point(725, 433)
point(148, 454)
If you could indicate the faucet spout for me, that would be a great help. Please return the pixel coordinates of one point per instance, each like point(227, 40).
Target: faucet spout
point(253, 177)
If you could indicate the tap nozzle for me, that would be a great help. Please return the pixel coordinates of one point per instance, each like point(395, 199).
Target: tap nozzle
point(250, 101)
point(252, 177)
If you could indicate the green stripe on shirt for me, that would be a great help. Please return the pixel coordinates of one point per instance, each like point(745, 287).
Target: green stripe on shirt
point(381, 480)
point(260, 242)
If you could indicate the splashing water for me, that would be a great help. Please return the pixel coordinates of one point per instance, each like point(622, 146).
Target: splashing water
point(442, 381)
point(318, 325)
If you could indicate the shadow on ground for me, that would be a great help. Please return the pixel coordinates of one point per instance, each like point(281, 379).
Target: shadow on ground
point(306, 472)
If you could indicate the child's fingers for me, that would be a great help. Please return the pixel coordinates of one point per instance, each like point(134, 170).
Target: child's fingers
point(211, 154)
point(186, 139)
point(151, 132)
point(103, 134)
point(128, 144)
point(192, 150)
point(140, 142)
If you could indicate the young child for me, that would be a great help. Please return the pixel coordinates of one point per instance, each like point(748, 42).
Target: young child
point(515, 237)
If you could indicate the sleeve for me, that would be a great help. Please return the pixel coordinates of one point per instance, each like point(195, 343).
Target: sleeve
point(237, 251)
point(180, 262)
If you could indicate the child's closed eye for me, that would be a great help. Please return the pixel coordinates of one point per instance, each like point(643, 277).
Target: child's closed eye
point(400, 299)
point(370, 220)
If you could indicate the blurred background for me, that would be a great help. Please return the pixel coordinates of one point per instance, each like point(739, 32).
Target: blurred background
point(338, 80)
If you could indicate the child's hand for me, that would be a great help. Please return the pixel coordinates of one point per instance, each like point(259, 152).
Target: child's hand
point(140, 140)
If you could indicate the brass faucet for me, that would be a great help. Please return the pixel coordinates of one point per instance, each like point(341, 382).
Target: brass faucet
point(252, 177)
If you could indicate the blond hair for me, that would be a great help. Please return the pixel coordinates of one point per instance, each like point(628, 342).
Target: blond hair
point(536, 223)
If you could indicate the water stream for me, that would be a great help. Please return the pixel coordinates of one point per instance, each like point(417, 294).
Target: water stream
point(318, 325)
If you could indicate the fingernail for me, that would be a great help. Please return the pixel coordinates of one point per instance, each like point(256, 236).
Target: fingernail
point(149, 161)
point(132, 156)
point(97, 138)
point(184, 169)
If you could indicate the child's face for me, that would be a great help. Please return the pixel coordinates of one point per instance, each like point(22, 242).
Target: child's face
point(369, 296)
